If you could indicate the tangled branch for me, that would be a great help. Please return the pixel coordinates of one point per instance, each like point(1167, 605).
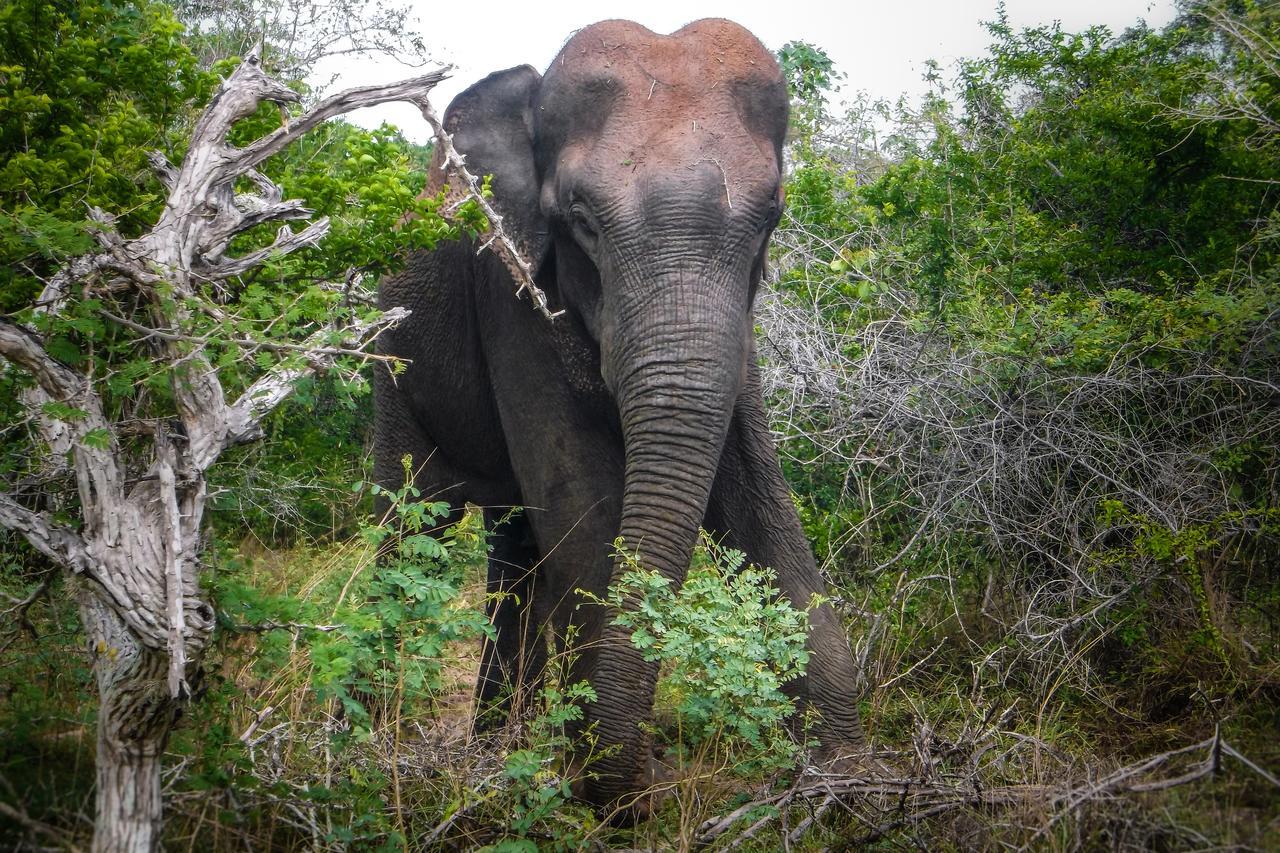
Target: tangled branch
point(1019, 453)
point(882, 801)
point(138, 543)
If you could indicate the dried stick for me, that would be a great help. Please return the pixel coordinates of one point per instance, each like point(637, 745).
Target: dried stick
point(904, 800)
point(501, 242)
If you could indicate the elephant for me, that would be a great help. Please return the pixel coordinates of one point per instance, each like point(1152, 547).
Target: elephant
point(641, 176)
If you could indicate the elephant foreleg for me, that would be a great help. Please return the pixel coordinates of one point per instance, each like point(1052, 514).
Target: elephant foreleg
point(751, 510)
point(511, 664)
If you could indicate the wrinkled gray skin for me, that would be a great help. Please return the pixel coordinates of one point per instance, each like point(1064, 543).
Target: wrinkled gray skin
point(642, 176)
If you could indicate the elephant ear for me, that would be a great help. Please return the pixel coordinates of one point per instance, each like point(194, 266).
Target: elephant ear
point(491, 124)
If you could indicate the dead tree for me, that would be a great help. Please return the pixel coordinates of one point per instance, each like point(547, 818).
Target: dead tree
point(133, 557)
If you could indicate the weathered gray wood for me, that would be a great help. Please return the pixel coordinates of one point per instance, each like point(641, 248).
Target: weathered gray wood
point(134, 561)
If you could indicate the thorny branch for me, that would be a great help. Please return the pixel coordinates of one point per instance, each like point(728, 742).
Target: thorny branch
point(499, 241)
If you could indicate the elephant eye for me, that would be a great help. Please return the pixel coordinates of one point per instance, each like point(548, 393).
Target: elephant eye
point(584, 226)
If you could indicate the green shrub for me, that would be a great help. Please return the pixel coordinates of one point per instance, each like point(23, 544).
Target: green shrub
point(727, 641)
point(390, 645)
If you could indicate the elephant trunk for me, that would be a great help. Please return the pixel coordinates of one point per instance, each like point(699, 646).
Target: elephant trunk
point(675, 377)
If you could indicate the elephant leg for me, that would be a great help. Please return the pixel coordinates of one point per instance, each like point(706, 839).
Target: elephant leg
point(575, 538)
point(575, 517)
point(397, 435)
point(512, 663)
point(751, 510)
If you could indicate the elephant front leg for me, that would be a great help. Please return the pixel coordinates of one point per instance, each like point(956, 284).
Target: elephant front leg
point(512, 662)
point(612, 763)
point(751, 510)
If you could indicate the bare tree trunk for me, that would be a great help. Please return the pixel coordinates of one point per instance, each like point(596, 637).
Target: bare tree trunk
point(135, 716)
point(134, 559)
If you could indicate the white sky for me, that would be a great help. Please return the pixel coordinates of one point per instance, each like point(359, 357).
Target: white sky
point(880, 46)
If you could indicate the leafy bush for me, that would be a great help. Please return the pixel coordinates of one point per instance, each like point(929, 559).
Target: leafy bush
point(1022, 352)
point(368, 654)
point(388, 651)
point(727, 642)
point(538, 771)
point(86, 89)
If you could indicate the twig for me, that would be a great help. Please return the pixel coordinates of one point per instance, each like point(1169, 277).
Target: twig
point(249, 343)
point(723, 177)
point(296, 627)
point(258, 720)
point(20, 606)
point(50, 832)
point(1234, 753)
point(915, 799)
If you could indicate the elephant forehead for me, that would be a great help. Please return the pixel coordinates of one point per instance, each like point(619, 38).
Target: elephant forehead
point(636, 140)
point(625, 169)
point(687, 65)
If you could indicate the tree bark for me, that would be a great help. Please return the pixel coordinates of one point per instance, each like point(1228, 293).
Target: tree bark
point(134, 558)
point(136, 713)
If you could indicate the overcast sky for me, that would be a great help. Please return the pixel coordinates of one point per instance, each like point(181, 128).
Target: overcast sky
point(880, 46)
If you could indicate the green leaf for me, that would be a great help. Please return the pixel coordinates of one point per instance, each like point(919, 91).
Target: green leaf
point(522, 764)
point(98, 439)
point(62, 411)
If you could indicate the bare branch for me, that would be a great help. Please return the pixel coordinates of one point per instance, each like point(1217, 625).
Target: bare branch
point(54, 834)
point(60, 544)
point(25, 350)
point(97, 469)
point(18, 610)
point(500, 241)
point(295, 627)
point(187, 239)
point(883, 799)
point(251, 345)
point(261, 398)
point(413, 90)
point(286, 242)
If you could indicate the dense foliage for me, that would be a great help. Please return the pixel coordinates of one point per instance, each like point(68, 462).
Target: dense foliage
point(1033, 422)
point(85, 91)
point(728, 642)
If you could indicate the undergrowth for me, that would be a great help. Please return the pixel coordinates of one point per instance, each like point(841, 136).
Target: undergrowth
point(335, 708)
point(333, 717)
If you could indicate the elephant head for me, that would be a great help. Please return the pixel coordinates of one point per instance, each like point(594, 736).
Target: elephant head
point(642, 174)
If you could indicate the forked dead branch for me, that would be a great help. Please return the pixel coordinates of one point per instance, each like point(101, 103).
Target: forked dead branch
point(133, 552)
